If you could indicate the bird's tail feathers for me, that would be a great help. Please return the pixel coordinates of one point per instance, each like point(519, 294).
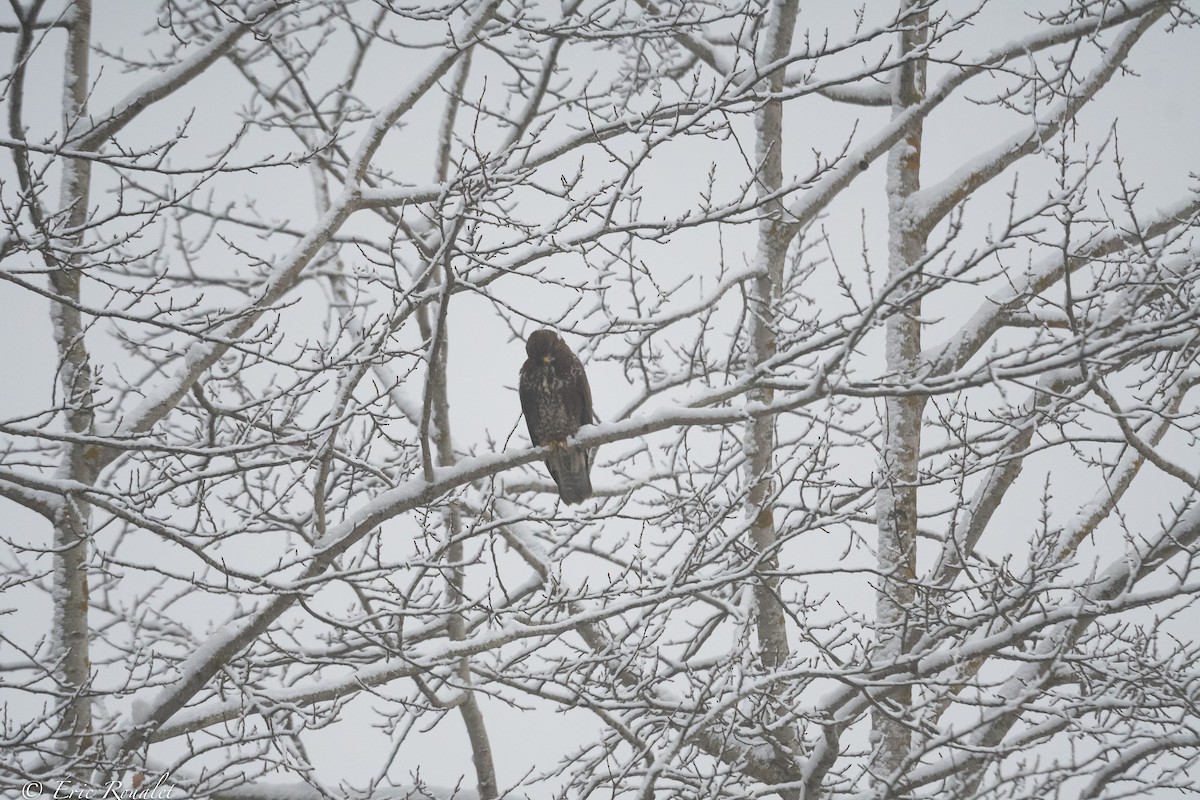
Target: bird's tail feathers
point(569, 468)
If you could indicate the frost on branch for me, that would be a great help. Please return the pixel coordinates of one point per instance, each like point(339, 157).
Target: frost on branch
point(889, 315)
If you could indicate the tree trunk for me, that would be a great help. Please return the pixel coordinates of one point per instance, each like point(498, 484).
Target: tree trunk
point(437, 428)
point(78, 462)
point(896, 503)
point(774, 238)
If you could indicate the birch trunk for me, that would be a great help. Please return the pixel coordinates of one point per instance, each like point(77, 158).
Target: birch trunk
point(78, 463)
point(896, 503)
point(439, 414)
point(438, 411)
point(774, 238)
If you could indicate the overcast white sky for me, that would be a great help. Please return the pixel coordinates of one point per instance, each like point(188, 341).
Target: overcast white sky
point(1157, 114)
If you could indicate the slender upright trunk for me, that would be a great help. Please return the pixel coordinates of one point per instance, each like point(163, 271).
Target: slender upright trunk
point(439, 399)
point(896, 502)
point(78, 462)
point(773, 239)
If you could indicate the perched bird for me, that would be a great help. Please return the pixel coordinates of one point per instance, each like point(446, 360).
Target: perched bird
point(557, 401)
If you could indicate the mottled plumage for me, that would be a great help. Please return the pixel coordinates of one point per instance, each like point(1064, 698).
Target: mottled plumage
point(557, 401)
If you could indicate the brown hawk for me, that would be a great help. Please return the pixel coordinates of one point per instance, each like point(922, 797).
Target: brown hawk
point(557, 401)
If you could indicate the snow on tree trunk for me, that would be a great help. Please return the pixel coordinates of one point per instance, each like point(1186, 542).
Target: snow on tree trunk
point(78, 461)
point(437, 404)
point(896, 500)
point(436, 333)
point(774, 238)
point(289, 551)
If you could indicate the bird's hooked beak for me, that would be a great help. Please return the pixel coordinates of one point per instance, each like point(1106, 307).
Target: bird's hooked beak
point(547, 359)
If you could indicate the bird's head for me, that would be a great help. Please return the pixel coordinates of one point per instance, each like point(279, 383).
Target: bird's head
point(541, 345)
